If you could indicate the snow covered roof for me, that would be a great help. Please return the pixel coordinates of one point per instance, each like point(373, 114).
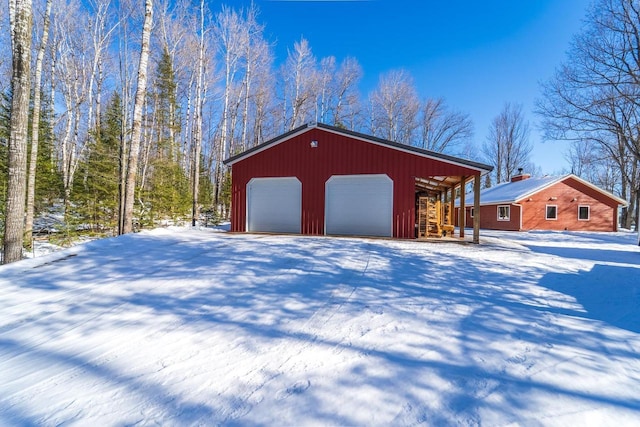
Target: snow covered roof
point(511, 192)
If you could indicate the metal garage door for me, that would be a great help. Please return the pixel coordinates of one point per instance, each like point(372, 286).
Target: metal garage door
point(359, 205)
point(274, 205)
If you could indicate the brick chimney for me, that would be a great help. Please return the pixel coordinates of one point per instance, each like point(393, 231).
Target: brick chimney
point(521, 176)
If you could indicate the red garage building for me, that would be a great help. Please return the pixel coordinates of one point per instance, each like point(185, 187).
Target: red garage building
point(548, 203)
point(319, 179)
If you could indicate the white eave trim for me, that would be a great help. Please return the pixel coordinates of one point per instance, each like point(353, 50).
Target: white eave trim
point(268, 146)
point(415, 153)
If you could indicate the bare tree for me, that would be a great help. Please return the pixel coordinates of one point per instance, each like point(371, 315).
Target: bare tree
point(394, 107)
point(584, 157)
point(326, 88)
point(299, 77)
point(35, 127)
point(347, 105)
point(508, 146)
point(21, 21)
point(231, 41)
point(136, 130)
point(197, 140)
point(594, 95)
point(125, 74)
point(79, 57)
point(259, 92)
point(72, 47)
point(262, 93)
point(443, 130)
point(255, 49)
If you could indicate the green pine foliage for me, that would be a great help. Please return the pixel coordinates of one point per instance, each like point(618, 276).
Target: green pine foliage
point(167, 193)
point(95, 193)
point(208, 212)
point(225, 192)
point(49, 186)
point(487, 181)
point(206, 190)
point(168, 110)
point(48, 177)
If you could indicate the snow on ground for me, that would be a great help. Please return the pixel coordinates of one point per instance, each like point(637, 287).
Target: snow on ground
point(186, 326)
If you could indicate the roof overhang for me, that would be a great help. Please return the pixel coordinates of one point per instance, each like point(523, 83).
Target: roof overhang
point(438, 183)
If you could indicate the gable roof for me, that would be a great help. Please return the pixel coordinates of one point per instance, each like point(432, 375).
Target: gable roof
point(482, 168)
point(512, 192)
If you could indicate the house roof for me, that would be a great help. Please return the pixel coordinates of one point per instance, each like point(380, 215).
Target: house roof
point(512, 192)
point(482, 168)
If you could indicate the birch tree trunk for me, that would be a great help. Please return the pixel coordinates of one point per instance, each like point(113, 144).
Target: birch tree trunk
point(21, 23)
point(35, 129)
point(197, 140)
point(229, 30)
point(136, 127)
point(125, 77)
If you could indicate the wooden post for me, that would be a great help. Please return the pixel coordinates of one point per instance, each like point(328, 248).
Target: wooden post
point(452, 205)
point(476, 209)
point(462, 210)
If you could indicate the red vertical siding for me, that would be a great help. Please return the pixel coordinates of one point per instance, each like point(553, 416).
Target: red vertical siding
point(337, 155)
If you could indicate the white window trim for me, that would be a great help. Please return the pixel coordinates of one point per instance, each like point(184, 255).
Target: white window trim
point(546, 213)
point(471, 212)
point(508, 218)
point(588, 212)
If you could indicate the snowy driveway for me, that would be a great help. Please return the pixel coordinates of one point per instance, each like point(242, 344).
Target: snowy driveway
point(184, 327)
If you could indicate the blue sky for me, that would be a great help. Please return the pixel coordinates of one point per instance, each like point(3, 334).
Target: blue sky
point(475, 54)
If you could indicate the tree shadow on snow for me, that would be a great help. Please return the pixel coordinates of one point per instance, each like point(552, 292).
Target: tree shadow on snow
point(608, 293)
point(150, 396)
point(449, 310)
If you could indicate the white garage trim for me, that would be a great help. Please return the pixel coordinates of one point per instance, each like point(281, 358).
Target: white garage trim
point(359, 205)
point(274, 205)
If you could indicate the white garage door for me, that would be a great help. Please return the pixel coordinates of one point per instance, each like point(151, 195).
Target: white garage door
point(274, 205)
point(359, 205)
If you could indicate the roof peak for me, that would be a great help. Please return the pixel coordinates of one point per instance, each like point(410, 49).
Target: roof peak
point(369, 138)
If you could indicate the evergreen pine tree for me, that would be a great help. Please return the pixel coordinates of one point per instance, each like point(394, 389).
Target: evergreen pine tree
point(49, 178)
point(487, 181)
point(225, 194)
point(167, 192)
point(206, 192)
point(95, 195)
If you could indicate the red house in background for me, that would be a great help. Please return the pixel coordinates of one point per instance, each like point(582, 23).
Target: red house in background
point(548, 203)
point(319, 179)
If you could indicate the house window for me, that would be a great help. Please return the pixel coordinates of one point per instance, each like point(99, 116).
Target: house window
point(583, 213)
point(552, 212)
point(471, 212)
point(504, 213)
